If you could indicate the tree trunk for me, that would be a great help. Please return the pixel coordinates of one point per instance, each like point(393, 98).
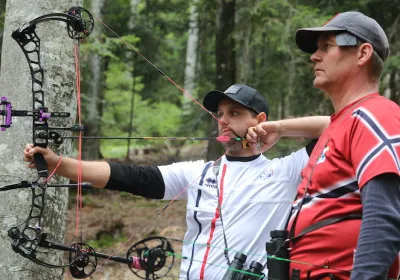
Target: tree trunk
point(191, 58)
point(291, 70)
point(95, 94)
point(189, 79)
point(59, 72)
point(225, 45)
point(132, 57)
point(392, 92)
point(245, 58)
point(2, 10)
point(225, 60)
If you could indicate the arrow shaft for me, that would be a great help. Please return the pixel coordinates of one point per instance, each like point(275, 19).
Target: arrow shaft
point(143, 138)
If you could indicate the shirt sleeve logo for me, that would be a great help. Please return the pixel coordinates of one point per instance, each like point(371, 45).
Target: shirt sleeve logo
point(267, 174)
point(210, 183)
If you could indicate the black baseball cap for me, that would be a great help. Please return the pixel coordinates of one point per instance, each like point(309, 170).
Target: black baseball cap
point(242, 94)
point(362, 27)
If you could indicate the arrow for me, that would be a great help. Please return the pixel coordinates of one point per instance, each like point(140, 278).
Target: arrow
point(222, 138)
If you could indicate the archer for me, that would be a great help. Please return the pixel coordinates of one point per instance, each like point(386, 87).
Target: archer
point(233, 202)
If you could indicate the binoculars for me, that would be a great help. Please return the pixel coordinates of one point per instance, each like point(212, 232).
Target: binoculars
point(235, 271)
point(278, 269)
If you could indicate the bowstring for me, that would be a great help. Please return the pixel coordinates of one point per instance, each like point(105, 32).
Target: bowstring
point(160, 71)
point(79, 202)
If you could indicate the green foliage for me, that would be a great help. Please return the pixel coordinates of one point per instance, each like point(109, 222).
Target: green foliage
point(277, 68)
point(286, 146)
point(113, 48)
point(392, 63)
point(150, 119)
point(267, 58)
point(107, 241)
point(161, 27)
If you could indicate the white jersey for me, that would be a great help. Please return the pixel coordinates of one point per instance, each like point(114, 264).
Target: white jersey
point(256, 197)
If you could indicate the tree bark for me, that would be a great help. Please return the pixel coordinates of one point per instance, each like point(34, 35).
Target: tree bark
point(95, 95)
point(393, 89)
point(225, 60)
point(132, 57)
point(392, 92)
point(59, 89)
point(225, 45)
point(191, 57)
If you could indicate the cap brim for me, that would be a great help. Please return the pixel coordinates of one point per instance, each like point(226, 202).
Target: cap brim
point(211, 100)
point(307, 38)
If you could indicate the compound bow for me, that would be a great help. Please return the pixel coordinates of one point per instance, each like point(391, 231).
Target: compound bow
point(153, 255)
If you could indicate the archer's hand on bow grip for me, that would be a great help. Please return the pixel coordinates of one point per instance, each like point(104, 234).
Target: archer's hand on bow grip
point(263, 136)
point(41, 165)
point(50, 158)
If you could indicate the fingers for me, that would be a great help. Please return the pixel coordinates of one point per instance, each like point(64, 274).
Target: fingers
point(251, 132)
point(252, 138)
point(251, 135)
point(28, 146)
point(30, 150)
point(28, 156)
point(254, 132)
point(259, 130)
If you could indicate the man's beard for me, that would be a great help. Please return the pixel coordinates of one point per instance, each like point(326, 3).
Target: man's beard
point(232, 146)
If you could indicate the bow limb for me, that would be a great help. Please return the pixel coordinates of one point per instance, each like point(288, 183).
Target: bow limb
point(29, 236)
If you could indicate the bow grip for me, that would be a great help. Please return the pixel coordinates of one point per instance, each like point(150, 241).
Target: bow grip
point(41, 165)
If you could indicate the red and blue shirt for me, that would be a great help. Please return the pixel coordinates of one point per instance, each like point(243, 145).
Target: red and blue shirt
point(361, 142)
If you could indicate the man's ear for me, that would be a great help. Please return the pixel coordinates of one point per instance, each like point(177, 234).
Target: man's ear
point(262, 117)
point(365, 52)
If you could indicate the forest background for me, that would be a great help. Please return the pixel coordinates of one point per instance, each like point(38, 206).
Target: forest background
point(202, 45)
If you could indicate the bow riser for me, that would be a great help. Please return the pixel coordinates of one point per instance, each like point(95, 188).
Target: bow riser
point(27, 237)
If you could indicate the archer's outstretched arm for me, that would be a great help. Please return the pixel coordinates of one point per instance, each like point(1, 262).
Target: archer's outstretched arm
point(269, 132)
point(95, 172)
point(144, 181)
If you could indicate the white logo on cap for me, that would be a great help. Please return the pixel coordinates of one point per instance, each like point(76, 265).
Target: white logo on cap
point(233, 89)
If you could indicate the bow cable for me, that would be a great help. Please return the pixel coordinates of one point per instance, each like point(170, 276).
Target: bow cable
point(244, 142)
point(79, 204)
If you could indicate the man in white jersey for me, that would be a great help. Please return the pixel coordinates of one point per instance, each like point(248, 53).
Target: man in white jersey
point(255, 194)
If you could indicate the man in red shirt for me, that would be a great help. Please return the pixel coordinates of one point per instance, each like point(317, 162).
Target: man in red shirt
point(355, 166)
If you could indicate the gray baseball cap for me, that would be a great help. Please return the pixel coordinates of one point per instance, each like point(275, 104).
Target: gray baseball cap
point(362, 27)
point(245, 95)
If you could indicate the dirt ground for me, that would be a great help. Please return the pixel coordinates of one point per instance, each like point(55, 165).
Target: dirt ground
point(119, 217)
